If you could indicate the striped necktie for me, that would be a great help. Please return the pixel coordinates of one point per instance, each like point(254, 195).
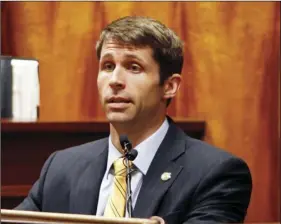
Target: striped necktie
point(116, 204)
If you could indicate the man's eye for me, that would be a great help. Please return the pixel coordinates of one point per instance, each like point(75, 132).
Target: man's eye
point(135, 68)
point(108, 66)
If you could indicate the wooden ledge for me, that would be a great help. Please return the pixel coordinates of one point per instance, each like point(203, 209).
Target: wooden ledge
point(83, 126)
point(15, 190)
point(12, 216)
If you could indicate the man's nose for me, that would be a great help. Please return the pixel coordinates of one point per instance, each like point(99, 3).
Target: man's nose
point(116, 81)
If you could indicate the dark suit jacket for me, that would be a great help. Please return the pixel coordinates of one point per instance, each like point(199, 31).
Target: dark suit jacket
point(207, 184)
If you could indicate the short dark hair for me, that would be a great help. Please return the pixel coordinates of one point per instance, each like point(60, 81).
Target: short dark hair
point(141, 31)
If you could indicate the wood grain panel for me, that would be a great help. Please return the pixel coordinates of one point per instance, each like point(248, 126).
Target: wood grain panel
point(15, 191)
point(230, 77)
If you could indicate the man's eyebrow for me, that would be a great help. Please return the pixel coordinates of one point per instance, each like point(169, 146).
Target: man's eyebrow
point(126, 56)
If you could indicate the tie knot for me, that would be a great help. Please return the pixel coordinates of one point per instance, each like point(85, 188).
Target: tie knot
point(120, 167)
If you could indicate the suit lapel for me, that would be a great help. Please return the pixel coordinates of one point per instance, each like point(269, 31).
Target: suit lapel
point(153, 187)
point(84, 197)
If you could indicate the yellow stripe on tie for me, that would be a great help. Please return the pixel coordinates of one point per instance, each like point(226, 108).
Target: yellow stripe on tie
point(116, 204)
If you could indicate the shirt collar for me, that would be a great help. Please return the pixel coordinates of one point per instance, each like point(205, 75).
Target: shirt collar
point(146, 149)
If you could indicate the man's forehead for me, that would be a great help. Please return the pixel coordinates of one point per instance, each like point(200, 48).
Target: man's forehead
point(123, 45)
point(109, 49)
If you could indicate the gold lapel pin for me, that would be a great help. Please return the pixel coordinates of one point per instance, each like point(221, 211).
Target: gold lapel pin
point(166, 176)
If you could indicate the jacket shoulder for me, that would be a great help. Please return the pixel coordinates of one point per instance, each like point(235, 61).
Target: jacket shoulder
point(207, 155)
point(82, 152)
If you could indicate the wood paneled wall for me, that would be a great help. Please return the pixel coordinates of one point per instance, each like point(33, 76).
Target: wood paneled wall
point(230, 77)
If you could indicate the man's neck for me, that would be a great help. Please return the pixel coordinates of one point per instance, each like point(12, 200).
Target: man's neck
point(136, 133)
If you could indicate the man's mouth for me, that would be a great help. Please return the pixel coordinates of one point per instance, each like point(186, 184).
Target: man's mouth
point(112, 100)
point(118, 103)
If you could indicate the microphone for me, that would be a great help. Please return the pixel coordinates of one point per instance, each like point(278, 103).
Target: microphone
point(125, 143)
point(129, 154)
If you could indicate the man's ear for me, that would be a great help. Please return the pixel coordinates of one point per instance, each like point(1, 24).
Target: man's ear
point(171, 86)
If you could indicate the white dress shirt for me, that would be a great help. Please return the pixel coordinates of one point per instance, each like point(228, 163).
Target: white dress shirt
point(146, 152)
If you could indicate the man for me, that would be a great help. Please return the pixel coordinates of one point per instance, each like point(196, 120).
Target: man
point(178, 178)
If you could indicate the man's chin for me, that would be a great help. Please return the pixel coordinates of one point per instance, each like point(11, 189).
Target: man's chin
point(118, 118)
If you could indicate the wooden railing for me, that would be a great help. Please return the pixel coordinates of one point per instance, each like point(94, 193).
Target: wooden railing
point(12, 216)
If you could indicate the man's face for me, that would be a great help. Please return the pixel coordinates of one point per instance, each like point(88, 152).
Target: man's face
point(128, 83)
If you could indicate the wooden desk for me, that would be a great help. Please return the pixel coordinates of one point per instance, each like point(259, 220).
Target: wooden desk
point(26, 146)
